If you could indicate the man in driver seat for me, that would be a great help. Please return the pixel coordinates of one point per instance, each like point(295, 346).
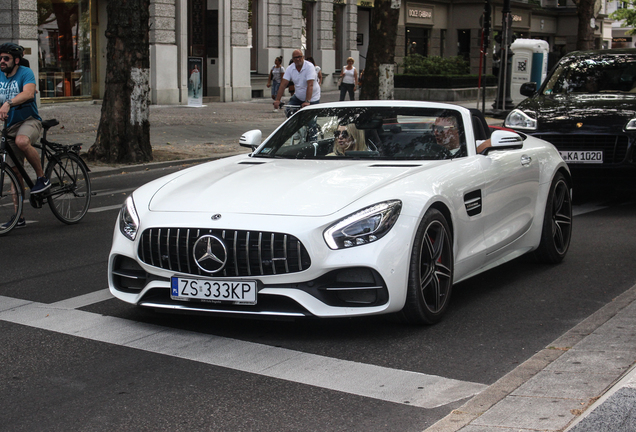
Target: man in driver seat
point(447, 135)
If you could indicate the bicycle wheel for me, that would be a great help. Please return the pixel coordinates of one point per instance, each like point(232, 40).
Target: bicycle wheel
point(70, 193)
point(10, 200)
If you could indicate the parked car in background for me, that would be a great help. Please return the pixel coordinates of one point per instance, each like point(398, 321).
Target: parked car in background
point(347, 209)
point(587, 108)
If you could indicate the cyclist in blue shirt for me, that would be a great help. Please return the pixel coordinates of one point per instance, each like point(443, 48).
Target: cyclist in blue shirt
point(23, 123)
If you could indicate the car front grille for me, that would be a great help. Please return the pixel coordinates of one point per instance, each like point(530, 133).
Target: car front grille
point(249, 253)
point(614, 147)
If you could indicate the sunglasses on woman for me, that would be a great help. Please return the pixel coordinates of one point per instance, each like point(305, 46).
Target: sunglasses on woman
point(344, 134)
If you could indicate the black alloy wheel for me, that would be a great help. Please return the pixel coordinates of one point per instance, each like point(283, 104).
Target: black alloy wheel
point(557, 223)
point(431, 271)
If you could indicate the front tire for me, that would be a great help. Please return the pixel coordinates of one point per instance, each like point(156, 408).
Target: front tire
point(70, 193)
point(10, 201)
point(557, 223)
point(430, 271)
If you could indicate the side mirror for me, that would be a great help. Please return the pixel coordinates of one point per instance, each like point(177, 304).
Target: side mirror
point(251, 139)
point(504, 140)
point(528, 89)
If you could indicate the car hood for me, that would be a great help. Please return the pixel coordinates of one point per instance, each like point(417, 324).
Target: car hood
point(278, 187)
point(597, 111)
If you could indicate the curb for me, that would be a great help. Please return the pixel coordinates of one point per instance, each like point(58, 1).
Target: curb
point(505, 386)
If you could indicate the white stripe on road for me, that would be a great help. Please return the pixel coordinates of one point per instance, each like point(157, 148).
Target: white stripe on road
point(578, 210)
point(392, 385)
point(84, 300)
point(106, 208)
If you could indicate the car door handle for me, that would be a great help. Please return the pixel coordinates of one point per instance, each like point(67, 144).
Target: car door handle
point(526, 160)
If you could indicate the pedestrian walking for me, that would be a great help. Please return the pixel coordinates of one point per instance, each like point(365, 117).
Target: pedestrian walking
point(275, 77)
point(318, 70)
point(349, 76)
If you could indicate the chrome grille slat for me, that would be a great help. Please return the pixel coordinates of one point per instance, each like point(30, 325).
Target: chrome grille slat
point(152, 258)
point(159, 247)
point(300, 262)
point(268, 248)
point(168, 249)
point(247, 253)
point(260, 252)
point(178, 247)
point(188, 251)
point(271, 251)
point(285, 253)
point(236, 270)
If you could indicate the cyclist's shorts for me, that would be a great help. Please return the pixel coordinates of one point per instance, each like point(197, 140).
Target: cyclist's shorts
point(31, 128)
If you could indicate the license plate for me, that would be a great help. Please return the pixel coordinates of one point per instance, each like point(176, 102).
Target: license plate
point(595, 156)
point(215, 290)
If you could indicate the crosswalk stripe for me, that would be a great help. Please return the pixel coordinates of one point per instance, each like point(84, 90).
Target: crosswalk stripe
point(393, 385)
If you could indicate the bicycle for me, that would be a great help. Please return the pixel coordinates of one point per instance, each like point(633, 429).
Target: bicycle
point(70, 193)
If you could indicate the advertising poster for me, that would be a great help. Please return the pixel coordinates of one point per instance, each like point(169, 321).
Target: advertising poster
point(195, 81)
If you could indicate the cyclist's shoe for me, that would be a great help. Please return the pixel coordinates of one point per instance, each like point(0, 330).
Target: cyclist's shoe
point(41, 185)
point(21, 223)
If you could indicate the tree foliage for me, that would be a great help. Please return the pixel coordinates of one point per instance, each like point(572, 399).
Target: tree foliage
point(628, 15)
point(123, 135)
point(382, 37)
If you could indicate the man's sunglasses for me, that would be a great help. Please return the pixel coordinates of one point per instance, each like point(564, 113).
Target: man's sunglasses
point(5, 58)
point(344, 134)
point(297, 57)
point(438, 128)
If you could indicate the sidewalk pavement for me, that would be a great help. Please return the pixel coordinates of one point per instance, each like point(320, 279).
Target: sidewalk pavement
point(582, 382)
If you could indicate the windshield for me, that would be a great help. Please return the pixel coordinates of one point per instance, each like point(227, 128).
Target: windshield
point(591, 75)
point(388, 133)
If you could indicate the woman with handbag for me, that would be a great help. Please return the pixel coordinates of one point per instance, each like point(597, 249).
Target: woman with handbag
point(349, 77)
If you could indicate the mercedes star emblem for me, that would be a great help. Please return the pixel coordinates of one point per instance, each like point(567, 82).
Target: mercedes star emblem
point(209, 253)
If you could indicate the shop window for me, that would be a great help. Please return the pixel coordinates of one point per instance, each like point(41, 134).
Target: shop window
point(463, 44)
point(253, 23)
point(64, 49)
point(442, 42)
point(338, 34)
point(417, 40)
point(308, 28)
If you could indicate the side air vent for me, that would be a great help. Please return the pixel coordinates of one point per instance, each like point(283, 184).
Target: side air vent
point(472, 201)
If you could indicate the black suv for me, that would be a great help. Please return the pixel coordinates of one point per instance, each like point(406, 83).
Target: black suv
point(587, 109)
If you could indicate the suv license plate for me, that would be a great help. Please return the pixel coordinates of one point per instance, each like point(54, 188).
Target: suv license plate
point(217, 290)
point(595, 156)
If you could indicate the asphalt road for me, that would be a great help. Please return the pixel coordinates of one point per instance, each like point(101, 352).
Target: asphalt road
point(58, 373)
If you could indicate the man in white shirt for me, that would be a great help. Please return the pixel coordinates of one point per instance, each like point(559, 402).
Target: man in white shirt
point(303, 75)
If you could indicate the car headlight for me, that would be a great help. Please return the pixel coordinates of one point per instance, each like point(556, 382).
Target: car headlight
point(631, 125)
point(128, 219)
point(364, 226)
point(518, 119)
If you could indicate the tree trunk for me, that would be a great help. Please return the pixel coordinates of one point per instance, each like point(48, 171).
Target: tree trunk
point(123, 135)
point(585, 37)
point(381, 53)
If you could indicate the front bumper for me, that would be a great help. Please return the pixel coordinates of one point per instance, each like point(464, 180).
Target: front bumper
point(364, 280)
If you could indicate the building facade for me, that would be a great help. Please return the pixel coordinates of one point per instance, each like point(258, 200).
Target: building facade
point(236, 41)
